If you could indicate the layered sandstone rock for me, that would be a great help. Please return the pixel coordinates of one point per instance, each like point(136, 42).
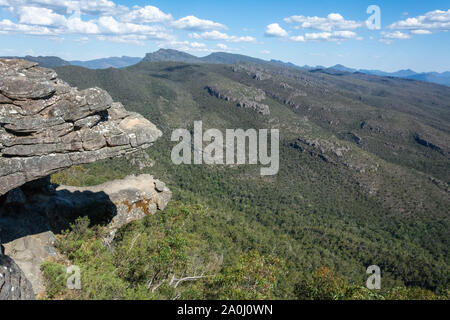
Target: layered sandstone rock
point(46, 125)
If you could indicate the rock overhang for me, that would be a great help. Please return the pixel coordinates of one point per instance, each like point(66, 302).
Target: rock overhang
point(47, 125)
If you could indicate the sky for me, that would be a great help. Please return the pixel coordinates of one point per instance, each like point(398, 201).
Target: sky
point(410, 34)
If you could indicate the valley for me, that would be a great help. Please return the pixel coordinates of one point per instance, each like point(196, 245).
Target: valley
point(363, 179)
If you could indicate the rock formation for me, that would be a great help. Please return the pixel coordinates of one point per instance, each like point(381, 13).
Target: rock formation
point(46, 125)
point(13, 283)
point(29, 238)
point(133, 197)
point(251, 98)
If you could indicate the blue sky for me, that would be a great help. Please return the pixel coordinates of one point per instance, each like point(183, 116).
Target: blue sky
point(413, 34)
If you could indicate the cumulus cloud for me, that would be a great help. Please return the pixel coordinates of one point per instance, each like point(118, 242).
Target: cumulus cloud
point(389, 36)
point(40, 16)
point(437, 20)
point(421, 31)
point(333, 27)
point(77, 26)
point(7, 26)
point(129, 39)
point(331, 36)
point(105, 20)
point(185, 46)
point(195, 24)
point(334, 21)
point(222, 46)
point(147, 14)
point(298, 38)
point(396, 35)
point(88, 7)
point(220, 36)
point(274, 30)
point(109, 21)
point(429, 23)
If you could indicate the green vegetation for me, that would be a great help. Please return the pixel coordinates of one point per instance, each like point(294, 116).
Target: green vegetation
point(382, 201)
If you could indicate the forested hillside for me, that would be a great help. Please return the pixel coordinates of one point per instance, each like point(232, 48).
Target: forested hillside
point(363, 180)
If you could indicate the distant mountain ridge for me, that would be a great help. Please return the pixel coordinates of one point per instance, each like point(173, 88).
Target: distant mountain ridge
point(435, 77)
point(164, 55)
point(104, 63)
point(46, 62)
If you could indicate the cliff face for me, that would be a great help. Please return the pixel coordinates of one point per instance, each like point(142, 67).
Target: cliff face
point(46, 125)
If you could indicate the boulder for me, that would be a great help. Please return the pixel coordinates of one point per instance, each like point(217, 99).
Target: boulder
point(13, 283)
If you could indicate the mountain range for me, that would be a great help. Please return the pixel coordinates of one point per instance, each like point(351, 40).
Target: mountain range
point(228, 58)
point(435, 77)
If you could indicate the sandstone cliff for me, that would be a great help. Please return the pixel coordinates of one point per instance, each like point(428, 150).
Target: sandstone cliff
point(46, 126)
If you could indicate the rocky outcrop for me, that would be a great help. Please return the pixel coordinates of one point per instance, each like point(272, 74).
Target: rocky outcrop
point(29, 238)
point(13, 283)
point(46, 125)
point(427, 143)
point(251, 98)
point(133, 197)
point(29, 252)
point(253, 71)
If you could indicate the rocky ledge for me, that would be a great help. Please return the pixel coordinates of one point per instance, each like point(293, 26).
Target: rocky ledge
point(250, 98)
point(46, 125)
point(29, 238)
point(13, 283)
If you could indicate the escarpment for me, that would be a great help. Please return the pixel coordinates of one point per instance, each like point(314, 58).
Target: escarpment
point(47, 126)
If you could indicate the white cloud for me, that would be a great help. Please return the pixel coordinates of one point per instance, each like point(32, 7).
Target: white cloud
point(77, 26)
point(334, 21)
point(195, 24)
point(274, 30)
point(436, 20)
point(334, 28)
point(220, 36)
point(129, 39)
point(420, 31)
point(109, 25)
point(40, 16)
point(197, 45)
point(89, 7)
point(185, 46)
point(265, 51)
point(7, 26)
point(147, 14)
point(298, 38)
point(330, 36)
point(222, 46)
point(109, 21)
point(429, 23)
point(396, 35)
